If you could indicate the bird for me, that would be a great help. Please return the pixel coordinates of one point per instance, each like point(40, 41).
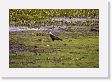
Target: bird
point(54, 37)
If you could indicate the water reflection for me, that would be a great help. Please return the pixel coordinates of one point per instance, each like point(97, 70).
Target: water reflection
point(42, 28)
point(55, 28)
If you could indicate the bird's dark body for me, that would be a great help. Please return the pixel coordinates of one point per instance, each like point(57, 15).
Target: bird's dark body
point(54, 37)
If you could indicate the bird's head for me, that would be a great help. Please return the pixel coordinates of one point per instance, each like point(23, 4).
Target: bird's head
point(50, 32)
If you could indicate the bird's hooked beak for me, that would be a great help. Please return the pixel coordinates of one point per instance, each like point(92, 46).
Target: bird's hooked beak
point(48, 33)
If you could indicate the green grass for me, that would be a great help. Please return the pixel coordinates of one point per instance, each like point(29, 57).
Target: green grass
point(77, 50)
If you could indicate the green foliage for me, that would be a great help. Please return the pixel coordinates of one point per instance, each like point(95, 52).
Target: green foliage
point(37, 17)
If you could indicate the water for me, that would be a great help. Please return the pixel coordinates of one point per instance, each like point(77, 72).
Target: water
point(42, 28)
point(14, 28)
point(50, 28)
point(74, 19)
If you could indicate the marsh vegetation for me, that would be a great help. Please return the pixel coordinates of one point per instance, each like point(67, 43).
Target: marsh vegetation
point(30, 46)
